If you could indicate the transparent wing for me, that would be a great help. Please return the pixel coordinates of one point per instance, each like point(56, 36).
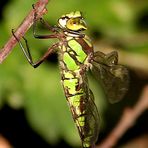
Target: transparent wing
point(113, 77)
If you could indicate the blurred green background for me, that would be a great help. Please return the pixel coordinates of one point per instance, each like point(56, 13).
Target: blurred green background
point(33, 98)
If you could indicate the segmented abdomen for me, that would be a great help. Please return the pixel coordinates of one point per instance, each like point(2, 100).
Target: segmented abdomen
point(74, 64)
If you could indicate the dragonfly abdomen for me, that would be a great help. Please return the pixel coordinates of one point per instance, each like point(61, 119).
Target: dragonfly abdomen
point(74, 64)
point(79, 104)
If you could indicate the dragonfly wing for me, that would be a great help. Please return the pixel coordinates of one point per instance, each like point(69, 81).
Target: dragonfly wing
point(113, 77)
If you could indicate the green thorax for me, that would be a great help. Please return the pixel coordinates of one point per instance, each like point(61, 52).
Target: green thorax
point(74, 55)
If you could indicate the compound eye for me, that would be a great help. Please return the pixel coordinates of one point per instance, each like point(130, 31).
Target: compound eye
point(75, 21)
point(76, 24)
point(73, 24)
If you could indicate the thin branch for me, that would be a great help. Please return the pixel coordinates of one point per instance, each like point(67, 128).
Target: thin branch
point(24, 26)
point(127, 120)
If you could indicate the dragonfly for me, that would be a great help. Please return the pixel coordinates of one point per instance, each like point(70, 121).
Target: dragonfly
point(76, 58)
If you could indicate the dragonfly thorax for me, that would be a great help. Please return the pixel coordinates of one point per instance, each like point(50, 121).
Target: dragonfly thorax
point(72, 22)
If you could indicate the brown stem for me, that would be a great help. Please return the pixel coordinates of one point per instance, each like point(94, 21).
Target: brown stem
point(4, 142)
point(24, 26)
point(127, 120)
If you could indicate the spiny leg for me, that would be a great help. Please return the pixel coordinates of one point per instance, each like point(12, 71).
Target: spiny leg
point(27, 53)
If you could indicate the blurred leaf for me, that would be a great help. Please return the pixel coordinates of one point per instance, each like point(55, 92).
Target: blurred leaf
point(45, 103)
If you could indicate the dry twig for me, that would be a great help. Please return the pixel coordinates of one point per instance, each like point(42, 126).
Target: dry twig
point(22, 29)
point(127, 120)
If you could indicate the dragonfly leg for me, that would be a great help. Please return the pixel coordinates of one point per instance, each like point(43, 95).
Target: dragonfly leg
point(47, 53)
point(53, 29)
point(27, 53)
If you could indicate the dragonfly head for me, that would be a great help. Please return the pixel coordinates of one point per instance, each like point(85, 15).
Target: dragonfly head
point(72, 22)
